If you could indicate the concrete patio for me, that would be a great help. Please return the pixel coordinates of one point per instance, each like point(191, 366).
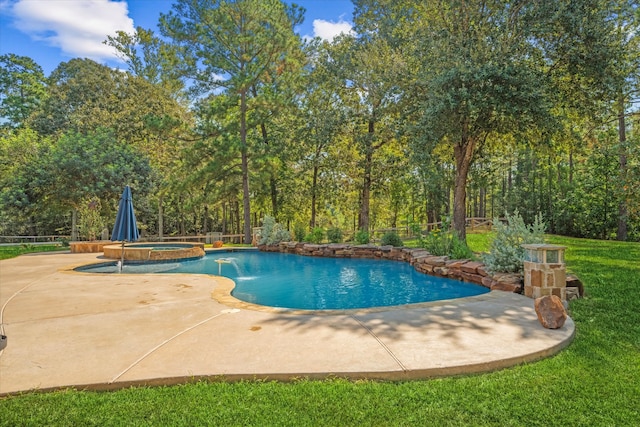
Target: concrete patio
point(107, 331)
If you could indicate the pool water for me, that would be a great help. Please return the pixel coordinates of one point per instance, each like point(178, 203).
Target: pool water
point(310, 283)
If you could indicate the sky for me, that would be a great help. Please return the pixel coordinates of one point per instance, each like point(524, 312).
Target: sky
point(55, 31)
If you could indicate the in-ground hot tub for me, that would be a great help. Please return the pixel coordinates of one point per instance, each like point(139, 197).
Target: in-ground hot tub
point(154, 251)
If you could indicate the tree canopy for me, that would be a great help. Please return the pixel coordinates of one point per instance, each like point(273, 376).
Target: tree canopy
point(428, 110)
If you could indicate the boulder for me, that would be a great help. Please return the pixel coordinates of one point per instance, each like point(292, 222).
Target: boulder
point(456, 263)
point(483, 271)
point(436, 261)
point(487, 282)
point(572, 293)
point(505, 286)
point(473, 278)
point(471, 267)
point(550, 311)
point(574, 282)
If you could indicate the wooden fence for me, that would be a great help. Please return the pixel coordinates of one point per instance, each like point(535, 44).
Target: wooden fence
point(406, 232)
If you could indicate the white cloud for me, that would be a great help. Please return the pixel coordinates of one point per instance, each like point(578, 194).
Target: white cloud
point(327, 30)
point(77, 27)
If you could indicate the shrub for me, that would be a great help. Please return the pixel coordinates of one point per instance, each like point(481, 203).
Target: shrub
point(273, 233)
point(299, 231)
point(438, 241)
point(334, 235)
point(444, 242)
point(391, 238)
point(506, 252)
point(416, 230)
point(316, 236)
point(281, 234)
point(459, 249)
point(90, 224)
point(361, 237)
point(268, 223)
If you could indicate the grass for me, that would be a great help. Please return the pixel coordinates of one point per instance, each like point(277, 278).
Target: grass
point(594, 382)
point(7, 252)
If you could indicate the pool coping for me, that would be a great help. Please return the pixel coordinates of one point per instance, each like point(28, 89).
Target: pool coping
point(222, 294)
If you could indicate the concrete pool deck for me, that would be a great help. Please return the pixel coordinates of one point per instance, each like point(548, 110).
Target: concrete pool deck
point(108, 331)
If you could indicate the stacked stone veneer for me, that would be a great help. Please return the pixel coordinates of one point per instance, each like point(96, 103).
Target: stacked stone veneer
point(142, 253)
point(420, 259)
point(544, 280)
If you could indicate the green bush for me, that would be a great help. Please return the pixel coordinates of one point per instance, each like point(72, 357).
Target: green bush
point(506, 253)
point(444, 242)
point(416, 230)
point(316, 236)
point(334, 235)
point(299, 231)
point(439, 241)
point(459, 249)
point(361, 237)
point(391, 238)
point(273, 233)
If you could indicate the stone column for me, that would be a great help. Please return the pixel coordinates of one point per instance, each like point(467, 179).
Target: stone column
point(545, 271)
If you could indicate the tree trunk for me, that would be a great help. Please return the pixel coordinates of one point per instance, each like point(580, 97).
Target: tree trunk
point(463, 153)
point(363, 223)
point(181, 226)
point(623, 210)
point(205, 228)
point(245, 168)
point(224, 218)
point(74, 225)
point(160, 218)
point(272, 180)
point(314, 190)
point(273, 183)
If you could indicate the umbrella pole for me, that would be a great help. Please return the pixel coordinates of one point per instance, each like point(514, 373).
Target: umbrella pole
point(122, 257)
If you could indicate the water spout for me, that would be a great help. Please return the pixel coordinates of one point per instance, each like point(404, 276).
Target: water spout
point(221, 261)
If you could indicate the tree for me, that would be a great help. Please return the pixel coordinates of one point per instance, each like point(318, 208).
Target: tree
point(154, 61)
point(23, 178)
point(480, 81)
point(594, 46)
point(319, 122)
point(233, 46)
point(370, 71)
point(22, 89)
point(95, 164)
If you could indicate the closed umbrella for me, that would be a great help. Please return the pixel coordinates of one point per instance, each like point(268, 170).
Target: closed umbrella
point(125, 228)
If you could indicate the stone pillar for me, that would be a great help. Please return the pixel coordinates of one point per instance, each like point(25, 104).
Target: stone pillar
point(545, 271)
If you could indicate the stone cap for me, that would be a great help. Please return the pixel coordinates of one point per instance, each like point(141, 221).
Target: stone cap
point(543, 246)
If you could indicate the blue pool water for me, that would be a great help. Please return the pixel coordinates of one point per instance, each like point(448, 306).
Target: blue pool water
point(309, 283)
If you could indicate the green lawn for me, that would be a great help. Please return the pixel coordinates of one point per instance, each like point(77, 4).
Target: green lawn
point(7, 252)
point(594, 382)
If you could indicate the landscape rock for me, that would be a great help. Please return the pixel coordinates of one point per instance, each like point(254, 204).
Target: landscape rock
point(505, 286)
point(574, 282)
point(550, 311)
point(436, 261)
point(471, 267)
point(487, 282)
point(482, 270)
point(572, 293)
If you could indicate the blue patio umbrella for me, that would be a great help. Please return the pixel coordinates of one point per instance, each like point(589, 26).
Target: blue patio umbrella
point(125, 228)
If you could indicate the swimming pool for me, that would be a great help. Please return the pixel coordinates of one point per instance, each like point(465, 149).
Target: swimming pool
point(310, 283)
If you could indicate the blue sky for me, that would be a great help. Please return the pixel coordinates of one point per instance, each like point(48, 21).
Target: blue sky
point(55, 31)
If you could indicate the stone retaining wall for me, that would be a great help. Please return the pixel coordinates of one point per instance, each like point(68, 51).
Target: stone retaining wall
point(420, 259)
point(95, 246)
